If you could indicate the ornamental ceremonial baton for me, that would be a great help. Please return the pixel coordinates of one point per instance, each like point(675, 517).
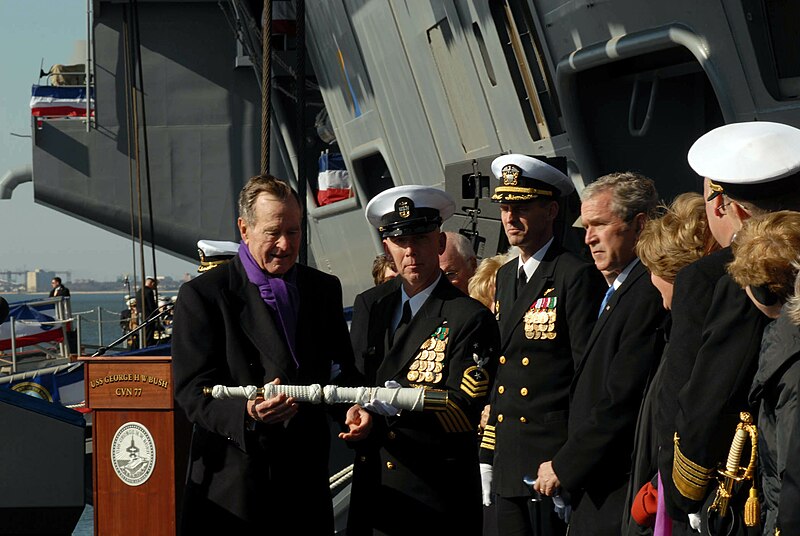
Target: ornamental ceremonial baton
point(408, 398)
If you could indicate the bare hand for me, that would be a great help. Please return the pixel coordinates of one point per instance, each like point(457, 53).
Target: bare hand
point(273, 410)
point(547, 483)
point(484, 416)
point(359, 424)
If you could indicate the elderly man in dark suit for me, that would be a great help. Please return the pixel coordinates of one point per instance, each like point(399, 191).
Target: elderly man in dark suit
point(259, 318)
point(417, 473)
point(592, 466)
point(546, 303)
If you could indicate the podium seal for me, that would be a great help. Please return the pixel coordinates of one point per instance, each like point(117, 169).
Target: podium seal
point(133, 453)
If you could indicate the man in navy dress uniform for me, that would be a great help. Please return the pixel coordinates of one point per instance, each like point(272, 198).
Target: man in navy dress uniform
point(417, 472)
point(749, 169)
point(546, 303)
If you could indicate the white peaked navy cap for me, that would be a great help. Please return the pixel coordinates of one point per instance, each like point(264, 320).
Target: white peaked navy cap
point(215, 252)
point(524, 178)
point(409, 210)
point(752, 160)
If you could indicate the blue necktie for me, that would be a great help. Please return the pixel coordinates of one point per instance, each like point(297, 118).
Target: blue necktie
point(607, 297)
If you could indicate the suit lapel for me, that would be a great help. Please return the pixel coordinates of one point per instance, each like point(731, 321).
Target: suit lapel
point(637, 272)
point(425, 322)
point(259, 326)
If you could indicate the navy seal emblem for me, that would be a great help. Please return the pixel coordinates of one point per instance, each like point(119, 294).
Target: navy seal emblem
point(133, 453)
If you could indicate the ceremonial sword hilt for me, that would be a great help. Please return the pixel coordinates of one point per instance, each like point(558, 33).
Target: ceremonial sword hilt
point(734, 472)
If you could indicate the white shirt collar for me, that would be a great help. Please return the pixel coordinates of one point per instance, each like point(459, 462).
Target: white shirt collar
point(416, 301)
point(534, 261)
point(623, 275)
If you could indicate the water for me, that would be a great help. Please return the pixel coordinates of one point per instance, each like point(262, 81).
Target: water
point(86, 305)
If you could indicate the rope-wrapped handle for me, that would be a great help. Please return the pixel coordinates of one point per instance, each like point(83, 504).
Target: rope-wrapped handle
point(407, 398)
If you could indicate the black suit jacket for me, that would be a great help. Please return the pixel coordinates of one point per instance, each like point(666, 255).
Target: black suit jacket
point(225, 334)
point(419, 471)
point(606, 393)
point(530, 397)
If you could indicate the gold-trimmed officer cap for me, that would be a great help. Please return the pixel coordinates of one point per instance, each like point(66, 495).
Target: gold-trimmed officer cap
point(751, 160)
point(212, 253)
point(409, 210)
point(524, 178)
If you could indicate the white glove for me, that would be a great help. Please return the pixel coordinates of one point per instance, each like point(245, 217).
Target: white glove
point(694, 522)
point(563, 508)
point(486, 483)
point(379, 407)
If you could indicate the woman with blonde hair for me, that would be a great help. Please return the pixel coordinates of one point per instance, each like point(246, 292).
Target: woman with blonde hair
point(481, 285)
point(668, 243)
point(766, 253)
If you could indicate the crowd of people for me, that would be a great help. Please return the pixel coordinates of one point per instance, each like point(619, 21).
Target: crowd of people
point(566, 392)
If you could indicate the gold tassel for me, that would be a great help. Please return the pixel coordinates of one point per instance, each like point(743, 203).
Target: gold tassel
point(752, 509)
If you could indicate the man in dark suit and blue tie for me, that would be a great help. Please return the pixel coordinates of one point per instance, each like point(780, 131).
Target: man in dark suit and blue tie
point(624, 346)
point(546, 303)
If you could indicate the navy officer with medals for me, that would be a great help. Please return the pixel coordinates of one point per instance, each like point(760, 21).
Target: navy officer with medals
point(417, 472)
point(546, 304)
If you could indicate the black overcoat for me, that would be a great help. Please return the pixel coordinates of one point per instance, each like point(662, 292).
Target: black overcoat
point(225, 334)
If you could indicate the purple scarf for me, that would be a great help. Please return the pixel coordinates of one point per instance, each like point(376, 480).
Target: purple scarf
point(663, 522)
point(279, 293)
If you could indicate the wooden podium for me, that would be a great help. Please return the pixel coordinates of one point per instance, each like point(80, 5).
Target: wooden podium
point(140, 444)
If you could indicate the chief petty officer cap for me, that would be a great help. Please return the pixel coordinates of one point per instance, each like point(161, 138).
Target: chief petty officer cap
point(215, 252)
point(409, 210)
point(752, 160)
point(524, 178)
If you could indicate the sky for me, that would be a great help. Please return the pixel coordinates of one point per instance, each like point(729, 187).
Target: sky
point(33, 236)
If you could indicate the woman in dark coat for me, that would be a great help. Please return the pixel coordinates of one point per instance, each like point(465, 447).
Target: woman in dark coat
point(765, 265)
point(667, 244)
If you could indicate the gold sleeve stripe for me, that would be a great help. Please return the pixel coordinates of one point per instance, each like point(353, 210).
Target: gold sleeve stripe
point(486, 444)
point(454, 420)
point(691, 479)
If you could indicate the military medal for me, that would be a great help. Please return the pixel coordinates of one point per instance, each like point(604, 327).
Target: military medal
point(427, 365)
point(540, 319)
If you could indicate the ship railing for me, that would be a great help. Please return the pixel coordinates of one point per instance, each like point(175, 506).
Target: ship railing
point(62, 319)
point(95, 316)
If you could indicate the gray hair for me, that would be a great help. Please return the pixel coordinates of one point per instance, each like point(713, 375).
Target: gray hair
point(462, 244)
point(631, 194)
point(263, 184)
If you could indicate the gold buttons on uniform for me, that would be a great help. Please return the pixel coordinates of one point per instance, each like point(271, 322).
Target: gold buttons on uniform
point(524, 391)
point(500, 418)
point(362, 459)
point(501, 389)
point(525, 361)
point(523, 420)
point(502, 359)
point(391, 435)
point(390, 466)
